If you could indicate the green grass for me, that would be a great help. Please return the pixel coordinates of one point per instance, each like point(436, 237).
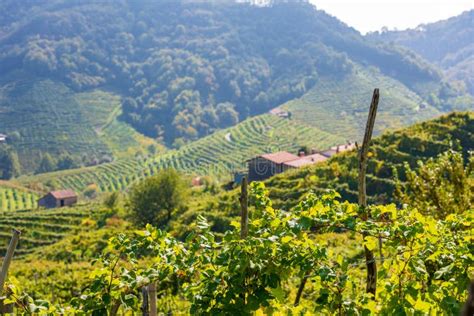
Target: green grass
point(213, 155)
point(340, 106)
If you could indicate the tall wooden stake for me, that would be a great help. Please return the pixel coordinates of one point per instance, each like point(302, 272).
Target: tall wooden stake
point(152, 296)
point(8, 258)
point(244, 214)
point(363, 155)
point(144, 307)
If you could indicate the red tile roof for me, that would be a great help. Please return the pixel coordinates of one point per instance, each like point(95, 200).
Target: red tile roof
point(306, 160)
point(63, 194)
point(279, 157)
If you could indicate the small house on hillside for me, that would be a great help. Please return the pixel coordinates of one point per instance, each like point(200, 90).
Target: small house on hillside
point(264, 166)
point(305, 161)
point(338, 149)
point(56, 199)
point(3, 138)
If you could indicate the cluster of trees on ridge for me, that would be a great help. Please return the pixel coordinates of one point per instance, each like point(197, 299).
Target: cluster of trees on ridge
point(185, 69)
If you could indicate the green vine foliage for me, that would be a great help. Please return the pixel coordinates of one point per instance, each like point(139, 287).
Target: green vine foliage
point(424, 264)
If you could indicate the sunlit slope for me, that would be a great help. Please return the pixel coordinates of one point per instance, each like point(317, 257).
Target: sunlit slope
point(41, 228)
point(14, 197)
point(340, 105)
point(43, 116)
point(388, 152)
point(218, 155)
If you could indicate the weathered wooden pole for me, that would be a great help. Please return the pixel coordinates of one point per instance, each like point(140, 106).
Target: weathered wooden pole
point(144, 307)
point(244, 214)
point(8, 258)
point(152, 296)
point(363, 156)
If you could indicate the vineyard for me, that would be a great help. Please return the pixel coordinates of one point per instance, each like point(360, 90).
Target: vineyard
point(388, 152)
point(14, 198)
point(399, 106)
point(306, 261)
point(302, 253)
point(41, 227)
point(215, 155)
point(46, 118)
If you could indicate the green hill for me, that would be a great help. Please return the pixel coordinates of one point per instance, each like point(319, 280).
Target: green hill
point(448, 44)
point(42, 228)
point(41, 116)
point(184, 69)
point(349, 97)
point(388, 151)
point(217, 155)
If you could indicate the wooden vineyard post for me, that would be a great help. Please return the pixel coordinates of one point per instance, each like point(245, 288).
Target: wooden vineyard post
point(8, 258)
point(144, 307)
point(244, 214)
point(152, 298)
point(5, 266)
point(363, 156)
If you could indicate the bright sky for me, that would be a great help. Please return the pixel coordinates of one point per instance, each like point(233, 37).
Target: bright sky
point(372, 15)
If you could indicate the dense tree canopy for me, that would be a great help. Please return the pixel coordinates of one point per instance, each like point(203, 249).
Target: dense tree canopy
point(156, 198)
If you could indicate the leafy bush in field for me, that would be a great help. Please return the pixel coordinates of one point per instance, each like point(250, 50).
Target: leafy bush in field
point(423, 264)
point(440, 187)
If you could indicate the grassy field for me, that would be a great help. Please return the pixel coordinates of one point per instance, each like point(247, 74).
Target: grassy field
point(218, 155)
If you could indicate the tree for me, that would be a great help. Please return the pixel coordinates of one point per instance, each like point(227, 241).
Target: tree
point(440, 186)
point(66, 162)
point(9, 163)
point(47, 164)
point(155, 199)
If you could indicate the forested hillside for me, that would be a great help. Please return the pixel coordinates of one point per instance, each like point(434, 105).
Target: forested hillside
point(184, 69)
point(448, 43)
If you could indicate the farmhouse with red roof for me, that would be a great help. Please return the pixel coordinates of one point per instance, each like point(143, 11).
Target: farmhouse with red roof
point(265, 166)
point(56, 199)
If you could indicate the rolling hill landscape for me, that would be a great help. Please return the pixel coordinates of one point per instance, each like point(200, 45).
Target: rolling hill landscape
point(448, 44)
point(128, 130)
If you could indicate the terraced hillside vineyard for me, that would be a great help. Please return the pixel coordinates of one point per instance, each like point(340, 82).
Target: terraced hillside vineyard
point(388, 152)
point(217, 155)
point(42, 117)
point(180, 70)
point(41, 228)
point(347, 96)
point(14, 198)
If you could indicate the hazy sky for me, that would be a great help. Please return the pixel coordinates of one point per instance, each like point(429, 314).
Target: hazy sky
point(372, 15)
